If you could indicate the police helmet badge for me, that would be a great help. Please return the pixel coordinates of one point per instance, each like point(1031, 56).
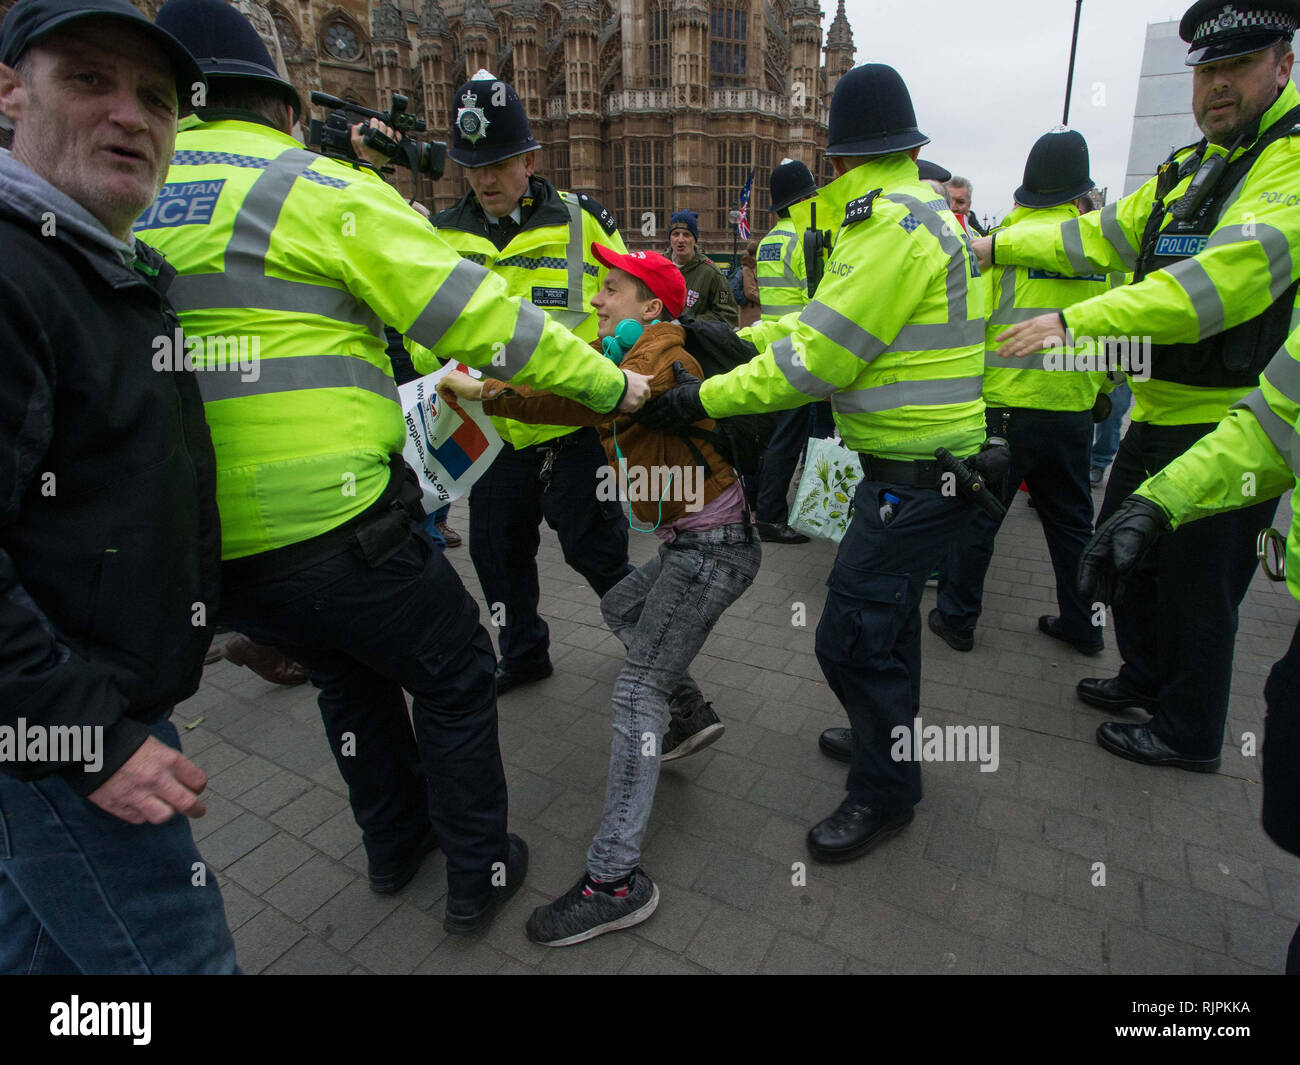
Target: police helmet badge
point(1229, 19)
point(470, 119)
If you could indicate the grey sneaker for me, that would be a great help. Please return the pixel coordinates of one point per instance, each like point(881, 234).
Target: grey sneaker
point(691, 726)
point(579, 915)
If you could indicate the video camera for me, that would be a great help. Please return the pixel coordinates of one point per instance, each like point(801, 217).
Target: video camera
point(334, 136)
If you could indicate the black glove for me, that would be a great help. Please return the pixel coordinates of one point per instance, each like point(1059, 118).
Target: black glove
point(994, 465)
point(716, 347)
point(1117, 546)
point(676, 410)
point(1101, 408)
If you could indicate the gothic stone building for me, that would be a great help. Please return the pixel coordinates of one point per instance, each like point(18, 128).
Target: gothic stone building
point(647, 105)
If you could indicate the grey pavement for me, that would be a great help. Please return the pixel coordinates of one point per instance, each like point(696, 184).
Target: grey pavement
point(1065, 859)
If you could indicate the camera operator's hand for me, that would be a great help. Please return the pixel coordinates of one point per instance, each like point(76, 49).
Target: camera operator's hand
point(636, 393)
point(364, 151)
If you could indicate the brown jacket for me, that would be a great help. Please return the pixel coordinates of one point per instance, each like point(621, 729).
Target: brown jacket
point(647, 453)
point(751, 312)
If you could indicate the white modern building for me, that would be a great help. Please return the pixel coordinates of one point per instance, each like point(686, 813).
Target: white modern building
point(1162, 119)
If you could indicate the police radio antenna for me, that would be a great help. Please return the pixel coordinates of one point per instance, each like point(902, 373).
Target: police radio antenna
point(1069, 77)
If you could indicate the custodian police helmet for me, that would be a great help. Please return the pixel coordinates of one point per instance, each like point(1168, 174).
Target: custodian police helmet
point(488, 122)
point(791, 182)
point(872, 114)
point(1057, 170)
point(225, 45)
point(1216, 30)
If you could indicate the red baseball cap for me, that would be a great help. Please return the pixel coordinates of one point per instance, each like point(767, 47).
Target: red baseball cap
point(660, 275)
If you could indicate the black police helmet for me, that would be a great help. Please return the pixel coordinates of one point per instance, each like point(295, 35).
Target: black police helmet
point(488, 123)
point(791, 182)
point(933, 171)
point(225, 45)
point(31, 21)
point(1057, 170)
point(872, 114)
point(1218, 30)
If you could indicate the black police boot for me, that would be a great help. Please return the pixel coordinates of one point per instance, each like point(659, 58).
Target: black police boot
point(852, 830)
point(1138, 743)
point(779, 533)
point(957, 639)
point(512, 678)
point(1111, 693)
point(465, 916)
point(390, 878)
point(837, 743)
point(1050, 625)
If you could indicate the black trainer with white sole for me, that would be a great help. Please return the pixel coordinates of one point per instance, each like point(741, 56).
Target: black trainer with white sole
point(582, 913)
point(691, 727)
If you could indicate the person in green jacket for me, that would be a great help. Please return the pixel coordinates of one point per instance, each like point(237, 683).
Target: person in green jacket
point(1253, 454)
point(708, 295)
point(1212, 242)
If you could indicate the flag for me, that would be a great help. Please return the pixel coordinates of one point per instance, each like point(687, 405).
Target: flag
point(448, 447)
point(742, 223)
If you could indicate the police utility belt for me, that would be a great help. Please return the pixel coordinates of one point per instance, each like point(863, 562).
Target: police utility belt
point(375, 535)
point(908, 473)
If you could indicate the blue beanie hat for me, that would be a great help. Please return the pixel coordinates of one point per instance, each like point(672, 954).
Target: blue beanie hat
point(689, 219)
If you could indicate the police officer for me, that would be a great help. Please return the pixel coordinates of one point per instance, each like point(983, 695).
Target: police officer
point(1042, 406)
point(1212, 242)
point(538, 241)
point(1258, 443)
point(895, 339)
point(783, 287)
point(305, 257)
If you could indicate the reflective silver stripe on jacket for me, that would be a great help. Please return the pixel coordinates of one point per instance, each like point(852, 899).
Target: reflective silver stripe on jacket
point(244, 283)
point(843, 331)
point(1035, 360)
point(1277, 250)
point(575, 255)
point(796, 372)
point(1283, 373)
point(1006, 312)
point(296, 373)
point(1193, 279)
point(1072, 243)
point(933, 393)
point(529, 327)
point(447, 304)
point(951, 244)
point(1116, 237)
point(1283, 436)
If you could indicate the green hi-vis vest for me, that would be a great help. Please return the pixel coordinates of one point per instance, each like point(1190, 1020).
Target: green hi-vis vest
point(1055, 379)
point(290, 265)
point(1233, 272)
point(1252, 455)
point(895, 334)
point(782, 280)
point(548, 262)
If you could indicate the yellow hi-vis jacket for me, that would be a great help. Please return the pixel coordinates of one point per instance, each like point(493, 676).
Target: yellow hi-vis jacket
point(782, 279)
point(299, 261)
point(1057, 379)
point(895, 334)
point(1248, 261)
point(1252, 455)
point(548, 262)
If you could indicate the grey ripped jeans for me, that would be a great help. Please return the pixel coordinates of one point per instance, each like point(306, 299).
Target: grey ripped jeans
point(663, 613)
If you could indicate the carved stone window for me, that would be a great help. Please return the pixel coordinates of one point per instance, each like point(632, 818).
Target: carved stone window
point(288, 32)
point(342, 40)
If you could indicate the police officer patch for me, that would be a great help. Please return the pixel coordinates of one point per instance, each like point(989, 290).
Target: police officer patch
point(769, 253)
point(602, 214)
point(859, 210)
point(470, 119)
point(550, 297)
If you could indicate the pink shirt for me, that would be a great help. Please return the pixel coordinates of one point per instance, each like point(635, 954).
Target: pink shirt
point(727, 508)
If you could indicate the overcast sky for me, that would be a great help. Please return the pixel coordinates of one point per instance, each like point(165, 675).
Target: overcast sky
point(987, 78)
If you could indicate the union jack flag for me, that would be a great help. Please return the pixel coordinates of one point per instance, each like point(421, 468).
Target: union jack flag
point(742, 223)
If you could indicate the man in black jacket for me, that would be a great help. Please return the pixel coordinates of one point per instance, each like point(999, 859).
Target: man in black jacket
point(109, 535)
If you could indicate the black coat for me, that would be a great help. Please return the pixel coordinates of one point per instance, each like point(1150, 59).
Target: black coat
point(110, 543)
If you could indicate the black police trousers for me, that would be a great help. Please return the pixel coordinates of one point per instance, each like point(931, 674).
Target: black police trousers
point(506, 508)
point(869, 636)
point(1176, 621)
point(364, 634)
point(1281, 768)
point(782, 455)
point(1050, 451)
